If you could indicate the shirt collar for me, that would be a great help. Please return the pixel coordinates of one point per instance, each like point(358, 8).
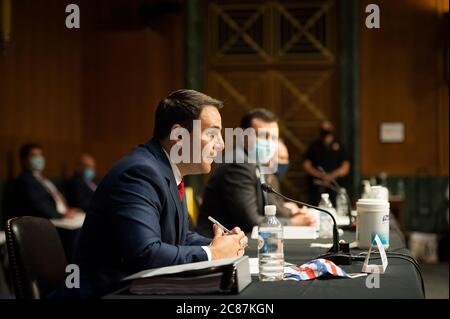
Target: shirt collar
point(175, 170)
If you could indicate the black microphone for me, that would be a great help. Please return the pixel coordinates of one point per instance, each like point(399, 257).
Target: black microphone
point(335, 248)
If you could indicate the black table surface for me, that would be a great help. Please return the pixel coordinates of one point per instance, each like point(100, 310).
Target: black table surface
point(401, 279)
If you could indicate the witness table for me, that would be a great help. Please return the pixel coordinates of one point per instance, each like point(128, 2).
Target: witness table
point(401, 279)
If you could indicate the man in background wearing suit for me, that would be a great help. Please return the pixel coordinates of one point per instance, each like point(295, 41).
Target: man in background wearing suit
point(82, 186)
point(36, 195)
point(233, 194)
point(138, 217)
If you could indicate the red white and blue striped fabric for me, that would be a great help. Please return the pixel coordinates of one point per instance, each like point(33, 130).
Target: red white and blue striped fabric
point(316, 268)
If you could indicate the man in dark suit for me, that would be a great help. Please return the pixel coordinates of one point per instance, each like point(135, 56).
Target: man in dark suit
point(138, 218)
point(81, 187)
point(34, 194)
point(233, 194)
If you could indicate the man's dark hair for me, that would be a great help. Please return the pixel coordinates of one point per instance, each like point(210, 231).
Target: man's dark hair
point(262, 114)
point(26, 149)
point(180, 107)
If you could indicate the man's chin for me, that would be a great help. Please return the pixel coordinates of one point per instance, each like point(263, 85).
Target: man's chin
point(206, 168)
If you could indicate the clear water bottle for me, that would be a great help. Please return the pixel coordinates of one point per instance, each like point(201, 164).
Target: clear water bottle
point(366, 189)
point(270, 247)
point(341, 203)
point(326, 223)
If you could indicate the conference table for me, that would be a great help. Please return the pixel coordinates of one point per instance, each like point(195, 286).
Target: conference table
point(400, 280)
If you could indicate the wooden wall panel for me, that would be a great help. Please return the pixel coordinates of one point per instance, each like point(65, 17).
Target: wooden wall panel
point(280, 55)
point(125, 75)
point(40, 90)
point(93, 89)
point(402, 80)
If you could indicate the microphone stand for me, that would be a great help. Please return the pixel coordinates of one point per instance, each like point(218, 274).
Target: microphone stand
point(333, 254)
point(335, 248)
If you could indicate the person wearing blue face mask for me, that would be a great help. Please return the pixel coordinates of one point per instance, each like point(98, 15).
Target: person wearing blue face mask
point(82, 185)
point(35, 194)
point(283, 159)
point(280, 162)
point(233, 193)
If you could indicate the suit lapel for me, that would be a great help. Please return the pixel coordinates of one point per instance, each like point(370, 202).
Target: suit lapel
point(166, 170)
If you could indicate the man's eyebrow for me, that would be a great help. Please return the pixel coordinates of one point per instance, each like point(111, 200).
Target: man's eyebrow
point(216, 127)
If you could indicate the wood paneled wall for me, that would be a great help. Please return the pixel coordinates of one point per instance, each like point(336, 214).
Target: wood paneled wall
point(40, 86)
point(403, 79)
point(93, 89)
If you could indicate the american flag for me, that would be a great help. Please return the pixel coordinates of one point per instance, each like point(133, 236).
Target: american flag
point(317, 268)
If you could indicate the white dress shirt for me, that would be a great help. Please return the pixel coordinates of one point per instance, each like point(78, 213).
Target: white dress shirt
point(178, 179)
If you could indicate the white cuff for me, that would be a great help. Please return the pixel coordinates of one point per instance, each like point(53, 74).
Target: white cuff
point(208, 252)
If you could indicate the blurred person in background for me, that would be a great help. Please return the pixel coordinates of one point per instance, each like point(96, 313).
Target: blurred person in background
point(233, 194)
point(35, 194)
point(82, 185)
point(325, 160)
point(284, 208)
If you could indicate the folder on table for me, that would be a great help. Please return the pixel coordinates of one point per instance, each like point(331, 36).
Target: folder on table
point(218, 276)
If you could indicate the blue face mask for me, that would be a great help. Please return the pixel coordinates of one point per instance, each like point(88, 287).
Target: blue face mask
point(37, 163)
point(265, 150)
point(282, 170)
point(89, 174)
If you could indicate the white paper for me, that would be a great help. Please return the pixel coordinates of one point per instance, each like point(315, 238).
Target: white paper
point(292, 232)
point(377, 269)
point(183, 267)
point(392, 132)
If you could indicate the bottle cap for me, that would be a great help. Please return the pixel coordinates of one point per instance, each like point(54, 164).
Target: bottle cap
point(270, 210)
point(325, 195)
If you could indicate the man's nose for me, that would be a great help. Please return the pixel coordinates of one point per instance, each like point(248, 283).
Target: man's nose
point(220, 145)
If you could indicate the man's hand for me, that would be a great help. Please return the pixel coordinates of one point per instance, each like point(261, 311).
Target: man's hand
point(243, 241)
point(327, 179)
point(293, 207)
point(304, 218)
point(227, 245)
point(73, 213)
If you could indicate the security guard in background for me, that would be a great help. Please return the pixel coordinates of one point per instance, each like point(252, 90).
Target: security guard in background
point(324, 161)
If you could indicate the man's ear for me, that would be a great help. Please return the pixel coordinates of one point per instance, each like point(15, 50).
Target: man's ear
point(174, 127)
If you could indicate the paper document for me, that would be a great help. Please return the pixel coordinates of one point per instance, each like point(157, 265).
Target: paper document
point(292, 232)
point(181, 268)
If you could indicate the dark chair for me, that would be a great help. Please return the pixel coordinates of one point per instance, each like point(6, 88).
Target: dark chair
point(36, 257)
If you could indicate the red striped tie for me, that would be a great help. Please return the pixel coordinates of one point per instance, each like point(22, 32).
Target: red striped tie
point(181, 189)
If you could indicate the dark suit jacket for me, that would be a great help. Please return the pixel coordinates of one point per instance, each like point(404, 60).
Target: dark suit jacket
point(234, 197)
point(32, 199)
point(78, 193)
point(135, 221)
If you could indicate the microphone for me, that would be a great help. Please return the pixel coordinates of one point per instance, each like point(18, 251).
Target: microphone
point(335, 248)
